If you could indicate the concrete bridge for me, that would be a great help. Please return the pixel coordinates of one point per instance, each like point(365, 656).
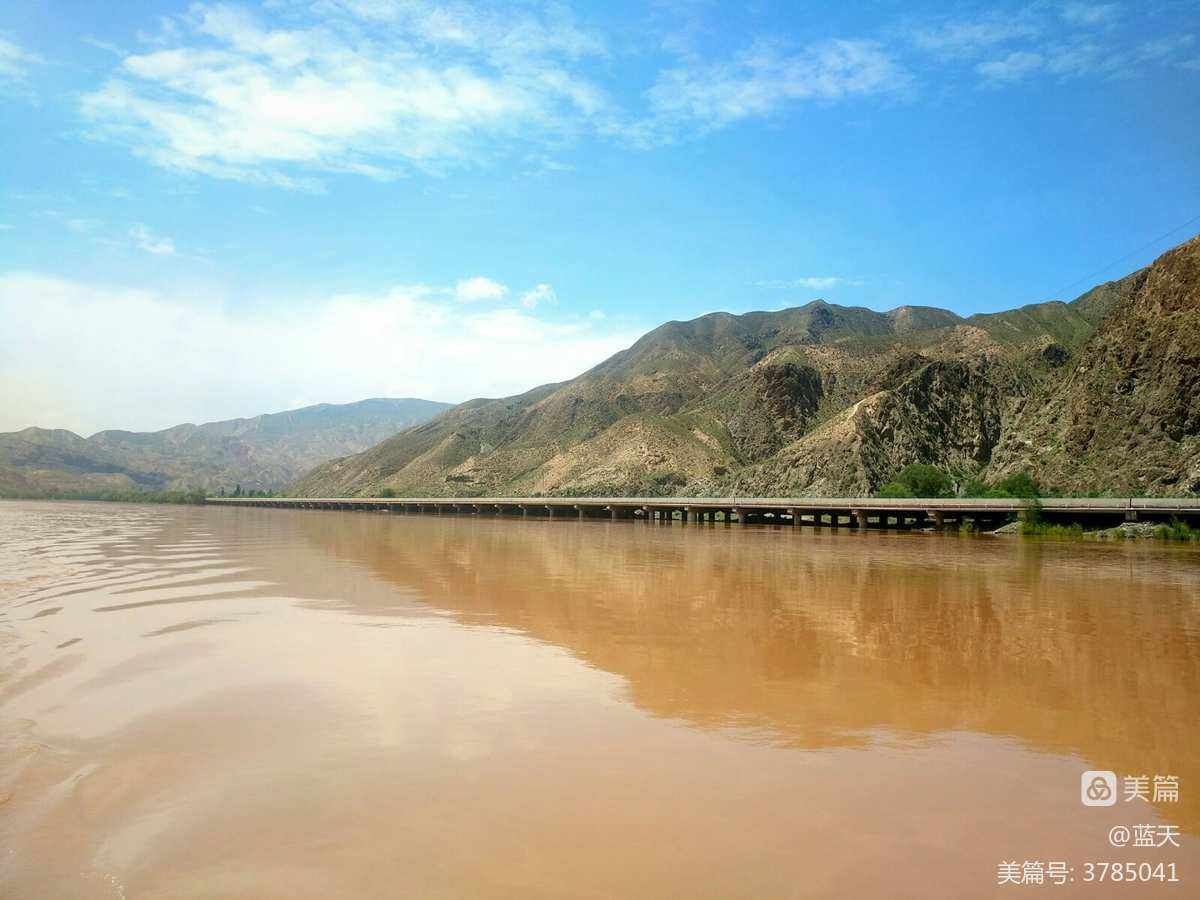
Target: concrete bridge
point(864, 512)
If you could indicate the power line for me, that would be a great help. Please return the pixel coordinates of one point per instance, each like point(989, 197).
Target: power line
point(1062, 291)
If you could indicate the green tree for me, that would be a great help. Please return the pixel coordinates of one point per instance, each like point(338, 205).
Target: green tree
point(894, 489)
point(1022, 484)
point(923, 480)
point(975, 487)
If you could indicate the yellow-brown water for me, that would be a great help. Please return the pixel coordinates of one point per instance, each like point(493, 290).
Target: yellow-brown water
point(202, 702)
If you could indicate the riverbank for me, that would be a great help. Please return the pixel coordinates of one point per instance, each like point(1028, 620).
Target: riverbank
point(1127, 531)
point(180, 497)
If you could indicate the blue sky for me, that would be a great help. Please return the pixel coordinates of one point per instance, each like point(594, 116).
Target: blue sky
point(220, 209)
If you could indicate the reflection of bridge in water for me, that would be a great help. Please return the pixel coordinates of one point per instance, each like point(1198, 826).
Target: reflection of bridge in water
point(861, 512)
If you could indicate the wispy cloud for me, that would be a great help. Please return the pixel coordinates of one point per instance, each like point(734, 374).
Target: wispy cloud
point(1061, 41)
point(1013, 67)
point(1091, 14)
point(149, 359)
point(300, 90)
point(539, 295)
point(809, 282)
point(1175, 47)
point(423, 86)
point(964, 38)
point(145, 239)
point(766, 78)
point(15, 64)
point(82, 226)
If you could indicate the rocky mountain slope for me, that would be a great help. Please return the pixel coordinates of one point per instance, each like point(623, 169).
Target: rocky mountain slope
point(260, 453)
point(1093, 395)
point(1125, 412)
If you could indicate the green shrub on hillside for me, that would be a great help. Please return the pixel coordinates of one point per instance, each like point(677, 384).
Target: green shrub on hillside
point(918, 480)
point(1019, 486)
point(1022, 484)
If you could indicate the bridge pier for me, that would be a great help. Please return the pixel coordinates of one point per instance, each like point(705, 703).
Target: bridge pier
point(860, 513)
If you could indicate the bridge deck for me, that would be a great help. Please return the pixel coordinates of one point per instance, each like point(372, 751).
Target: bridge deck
point(860, 511)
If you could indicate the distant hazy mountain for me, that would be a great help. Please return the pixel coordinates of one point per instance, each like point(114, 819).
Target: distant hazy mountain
point(265, 452)
point(1099, 394)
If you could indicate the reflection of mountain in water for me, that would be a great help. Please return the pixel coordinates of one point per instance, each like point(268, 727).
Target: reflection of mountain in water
point(812, 639)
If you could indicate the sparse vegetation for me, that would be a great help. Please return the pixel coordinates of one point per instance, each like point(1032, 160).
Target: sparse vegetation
point(133, 496)
point(1074, 531)
point(1033, 524)
point(1177, 531)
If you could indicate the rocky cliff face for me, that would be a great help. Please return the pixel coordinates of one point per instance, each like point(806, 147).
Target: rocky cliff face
point(1099, 394)
point(1125, 415)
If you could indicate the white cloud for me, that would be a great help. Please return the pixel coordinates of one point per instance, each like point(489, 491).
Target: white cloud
point(764, 80)
point(423, 87)
point(15, 61)
point(471, 290)
point(539, 295)
point(144, 239)
point(1091, 14)
point(1013, 67)
point(146, 359)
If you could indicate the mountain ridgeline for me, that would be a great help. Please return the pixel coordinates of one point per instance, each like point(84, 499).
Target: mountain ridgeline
point(261, 453)
point(1101, 394)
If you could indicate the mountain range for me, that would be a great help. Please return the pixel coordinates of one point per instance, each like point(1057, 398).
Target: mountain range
point(261, 453)
point(1098, 395)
